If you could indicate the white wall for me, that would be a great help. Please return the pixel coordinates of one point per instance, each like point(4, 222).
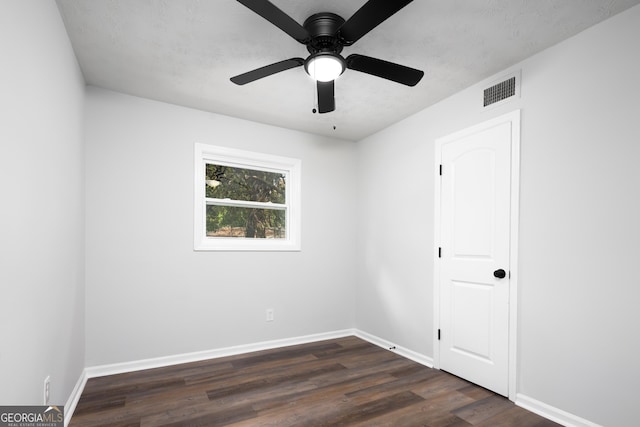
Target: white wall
point(579, 231)
point(42, 214)
point(148, 293)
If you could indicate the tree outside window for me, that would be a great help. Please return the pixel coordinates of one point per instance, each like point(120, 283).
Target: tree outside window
point(225, 184)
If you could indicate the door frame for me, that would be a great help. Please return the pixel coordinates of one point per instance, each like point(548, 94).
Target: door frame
point(514, 118)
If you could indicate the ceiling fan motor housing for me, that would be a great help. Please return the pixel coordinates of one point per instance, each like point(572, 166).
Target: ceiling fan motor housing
point(323, 29)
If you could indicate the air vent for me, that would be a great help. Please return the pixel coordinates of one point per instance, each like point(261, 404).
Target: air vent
point(500, 92)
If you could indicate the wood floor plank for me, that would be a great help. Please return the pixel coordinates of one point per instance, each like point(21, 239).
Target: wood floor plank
point(201, 414)
point(281, 355)
point(515, 416)
point(326, 395)
point(440, 408)
point(390, 388)
point(99, 403)
point(271, 380)
point(413, 415)
point(366, 412)
point(483, 409)
point(338, 382)
point(360, 372)
point(475, 392)
point(204, 377)
point(439, 383)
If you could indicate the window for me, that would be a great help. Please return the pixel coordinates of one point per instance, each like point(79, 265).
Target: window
point(245, 200)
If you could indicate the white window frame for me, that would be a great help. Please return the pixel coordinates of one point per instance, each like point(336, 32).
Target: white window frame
point(290, 167)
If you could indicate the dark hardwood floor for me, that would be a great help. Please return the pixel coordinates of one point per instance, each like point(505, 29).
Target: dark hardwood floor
point(340, 382)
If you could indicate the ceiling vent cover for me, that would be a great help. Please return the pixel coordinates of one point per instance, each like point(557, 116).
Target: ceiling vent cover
point(500, 91)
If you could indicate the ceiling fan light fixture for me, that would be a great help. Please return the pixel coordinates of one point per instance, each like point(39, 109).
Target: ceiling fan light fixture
point(325, 66)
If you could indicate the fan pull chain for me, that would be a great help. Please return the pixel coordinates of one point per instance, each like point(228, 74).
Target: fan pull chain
point(315, 91)
point(315, 98)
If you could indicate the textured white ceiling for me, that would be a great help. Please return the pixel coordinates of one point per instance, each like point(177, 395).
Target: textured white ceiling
point(184, 52)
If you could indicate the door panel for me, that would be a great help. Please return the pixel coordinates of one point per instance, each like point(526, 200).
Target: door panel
point(470, 305)
point(473, 194)
point(474, 231)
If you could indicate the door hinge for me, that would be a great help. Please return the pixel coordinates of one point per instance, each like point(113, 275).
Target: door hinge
point(440, 170)
point(438, 334)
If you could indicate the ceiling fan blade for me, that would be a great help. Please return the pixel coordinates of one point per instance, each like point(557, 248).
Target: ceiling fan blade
point(267, 70)
point(387, 70)
point(369, 16)
point(271, 13)
point(326, 98)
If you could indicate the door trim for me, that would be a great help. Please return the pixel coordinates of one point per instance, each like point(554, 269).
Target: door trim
point(514, 118)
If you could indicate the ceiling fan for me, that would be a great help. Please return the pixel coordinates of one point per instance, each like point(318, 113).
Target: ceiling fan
point(325, 34)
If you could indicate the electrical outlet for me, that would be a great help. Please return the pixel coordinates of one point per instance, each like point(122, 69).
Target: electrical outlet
point(47, 389)
point(270, 316)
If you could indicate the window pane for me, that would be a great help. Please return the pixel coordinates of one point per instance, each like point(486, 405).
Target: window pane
point(225, 182)
point(231, 221)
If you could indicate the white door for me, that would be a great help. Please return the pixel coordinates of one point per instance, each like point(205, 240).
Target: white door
point(475, 224)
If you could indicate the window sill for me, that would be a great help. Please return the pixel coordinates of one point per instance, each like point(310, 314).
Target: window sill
point(222, 244)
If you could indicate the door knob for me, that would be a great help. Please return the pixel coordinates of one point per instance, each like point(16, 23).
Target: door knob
point(500, 274)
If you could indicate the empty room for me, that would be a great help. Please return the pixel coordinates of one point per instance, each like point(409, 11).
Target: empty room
point(308, 213)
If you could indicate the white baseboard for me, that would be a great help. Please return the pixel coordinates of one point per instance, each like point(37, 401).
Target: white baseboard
point(74, 398)
point(404, 352)
point(158, 362)
point(552, 413)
